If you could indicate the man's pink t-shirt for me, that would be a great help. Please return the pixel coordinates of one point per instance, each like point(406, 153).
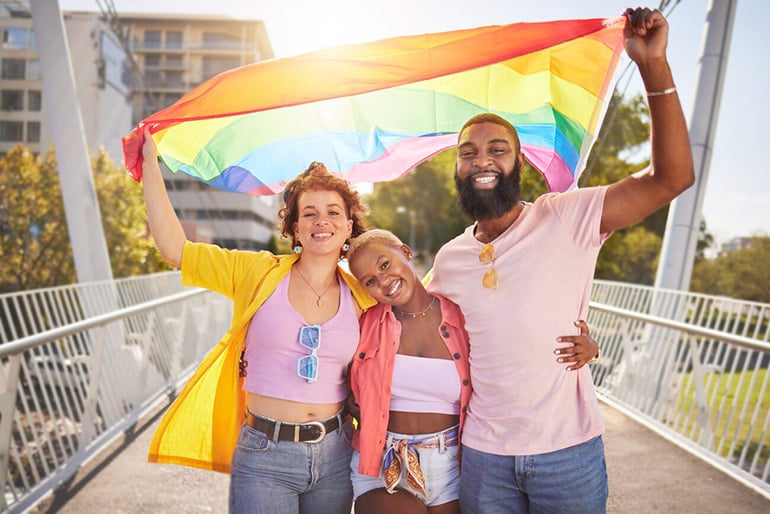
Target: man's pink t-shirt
point(524, 402)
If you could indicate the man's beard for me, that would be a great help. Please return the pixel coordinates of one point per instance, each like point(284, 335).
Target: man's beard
point(487, 204)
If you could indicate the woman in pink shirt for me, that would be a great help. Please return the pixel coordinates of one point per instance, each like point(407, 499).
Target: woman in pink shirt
point(410, 381)
point(410, 336)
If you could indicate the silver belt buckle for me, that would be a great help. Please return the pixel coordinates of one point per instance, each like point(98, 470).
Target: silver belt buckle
point(321, 427)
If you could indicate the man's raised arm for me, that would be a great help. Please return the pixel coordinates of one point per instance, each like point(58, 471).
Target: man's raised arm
point(671, 167)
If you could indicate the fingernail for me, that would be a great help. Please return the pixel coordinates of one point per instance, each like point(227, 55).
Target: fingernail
point(559, 360)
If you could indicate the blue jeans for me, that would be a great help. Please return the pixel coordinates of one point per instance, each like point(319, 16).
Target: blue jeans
point(284, 477)
point(571, 480)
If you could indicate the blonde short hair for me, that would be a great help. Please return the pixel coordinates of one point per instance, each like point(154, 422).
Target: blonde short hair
point(375, 235)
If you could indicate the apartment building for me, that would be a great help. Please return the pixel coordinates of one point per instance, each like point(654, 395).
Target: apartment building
point(167, 56)
point(174, 54)
point(101, 79)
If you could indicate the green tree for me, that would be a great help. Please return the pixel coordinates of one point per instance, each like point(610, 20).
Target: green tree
point(422, 203)
point(705, 241)
point(34, 241)
point(124, 218)
point(741, 274)
point(278, 245)
point(631, 254)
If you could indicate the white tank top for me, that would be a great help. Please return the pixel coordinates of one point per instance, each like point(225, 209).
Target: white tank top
point(422, 384)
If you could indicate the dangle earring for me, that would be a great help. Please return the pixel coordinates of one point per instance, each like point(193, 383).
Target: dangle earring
point(297, 249)
point(344, 250)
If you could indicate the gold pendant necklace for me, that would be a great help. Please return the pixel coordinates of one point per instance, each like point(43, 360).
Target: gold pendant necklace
point(318, 301)
point(416, 314)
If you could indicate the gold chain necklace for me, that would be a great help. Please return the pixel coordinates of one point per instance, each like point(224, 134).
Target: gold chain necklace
point(416, 314)
point(318, 301)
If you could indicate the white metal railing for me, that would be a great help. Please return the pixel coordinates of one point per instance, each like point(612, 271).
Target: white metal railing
point(692, 367)
point(81, 364)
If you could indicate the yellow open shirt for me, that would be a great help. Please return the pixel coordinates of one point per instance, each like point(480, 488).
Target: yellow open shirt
point(201, 427)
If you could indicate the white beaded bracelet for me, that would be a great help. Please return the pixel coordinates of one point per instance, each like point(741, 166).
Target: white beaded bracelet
point(661, 93)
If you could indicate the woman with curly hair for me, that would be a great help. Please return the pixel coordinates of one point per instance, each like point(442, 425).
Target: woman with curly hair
point(268, 402)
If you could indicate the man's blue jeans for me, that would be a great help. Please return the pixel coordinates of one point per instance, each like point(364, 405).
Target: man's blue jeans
point(285, 477)
point(572, 480)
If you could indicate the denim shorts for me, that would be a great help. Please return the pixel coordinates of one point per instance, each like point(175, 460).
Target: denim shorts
point(439, 467)
point(284, 477)
point(570, 480)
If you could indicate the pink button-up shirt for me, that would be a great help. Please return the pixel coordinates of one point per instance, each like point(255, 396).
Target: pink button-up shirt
point(372, 373)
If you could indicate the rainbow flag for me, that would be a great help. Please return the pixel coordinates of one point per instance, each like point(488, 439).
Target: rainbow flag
point(374, 111)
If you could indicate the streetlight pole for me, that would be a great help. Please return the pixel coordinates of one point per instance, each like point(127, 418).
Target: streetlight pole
point(684, 215)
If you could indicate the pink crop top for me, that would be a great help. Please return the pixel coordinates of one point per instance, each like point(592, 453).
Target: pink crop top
point(421, 384)
point(273, 349)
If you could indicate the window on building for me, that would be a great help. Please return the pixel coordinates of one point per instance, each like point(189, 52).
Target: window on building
point(11, 131)
point(152, 78)
point(174, 61)
point(14, 69)
point(34, 100)
point(220, 40)
point(173, 39)
point(216, 65)
point(12, 100)
point(170, 100)
point(174, 79)
point(15, 37)
point(152, 39)
point(33, 69)
point(149, 109)
point(152, 61)
point(33, 132)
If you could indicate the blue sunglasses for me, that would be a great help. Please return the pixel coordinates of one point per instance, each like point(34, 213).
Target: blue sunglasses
point(310, 338)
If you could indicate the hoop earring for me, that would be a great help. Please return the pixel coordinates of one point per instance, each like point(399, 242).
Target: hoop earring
point(297, 249)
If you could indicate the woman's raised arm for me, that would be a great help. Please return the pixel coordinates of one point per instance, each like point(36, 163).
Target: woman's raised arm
point(165, 227)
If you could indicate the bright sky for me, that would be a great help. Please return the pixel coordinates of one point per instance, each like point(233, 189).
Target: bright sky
point(737, 199)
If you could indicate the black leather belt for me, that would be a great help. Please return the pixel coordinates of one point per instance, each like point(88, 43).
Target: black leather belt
point(310, 432)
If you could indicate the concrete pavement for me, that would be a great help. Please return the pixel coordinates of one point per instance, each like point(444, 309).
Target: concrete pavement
point(646, 474)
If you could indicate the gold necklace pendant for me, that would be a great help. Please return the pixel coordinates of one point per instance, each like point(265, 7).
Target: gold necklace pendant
point(318, 302)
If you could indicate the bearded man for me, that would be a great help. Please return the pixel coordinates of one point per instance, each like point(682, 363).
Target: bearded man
point(522, 275)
